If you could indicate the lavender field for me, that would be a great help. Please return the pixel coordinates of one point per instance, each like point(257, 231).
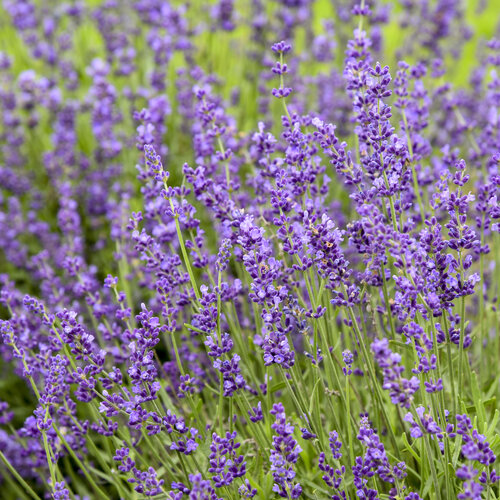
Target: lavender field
point(249, 249)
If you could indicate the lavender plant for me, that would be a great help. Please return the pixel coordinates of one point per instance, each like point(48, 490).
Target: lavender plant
point(250, 250)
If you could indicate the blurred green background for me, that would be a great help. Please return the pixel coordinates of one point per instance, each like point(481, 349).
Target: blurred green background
point(223, 53)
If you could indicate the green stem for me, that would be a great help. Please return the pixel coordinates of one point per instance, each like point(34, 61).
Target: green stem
point(184, 251)
point(282, 84)
point(416, 187)
point(461, 344)
point(18, 477)
point(482, 330)
point(430, 458)
point(349, 427)
point(90, 479)
point(391, 204)
point(387, 304)
point(371, 372)
point(49, 461)
point(450, 363)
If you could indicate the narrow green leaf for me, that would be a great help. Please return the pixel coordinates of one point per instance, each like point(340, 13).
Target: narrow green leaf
point(410, 449)
point(456, 451)
point(277, 387)
point(492, 428)
point(427, 487)
point(311, 400)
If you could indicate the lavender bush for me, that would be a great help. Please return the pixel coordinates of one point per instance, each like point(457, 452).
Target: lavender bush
point(242, 257)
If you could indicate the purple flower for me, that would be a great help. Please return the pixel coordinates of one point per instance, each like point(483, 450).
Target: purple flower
point(246, 490)
point(348, 359)
point(284, 455)
point(256, 413)
point(335, 445)
point(374, 461)
point(400, 389)
point(224, 462)
point(424, 423)
point(474, 447)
